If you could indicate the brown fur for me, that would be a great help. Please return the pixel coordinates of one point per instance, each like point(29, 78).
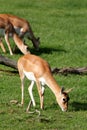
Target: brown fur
point(41, 69)
point(9, 31)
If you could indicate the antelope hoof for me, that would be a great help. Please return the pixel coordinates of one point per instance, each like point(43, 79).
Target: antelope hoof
point(20, 105)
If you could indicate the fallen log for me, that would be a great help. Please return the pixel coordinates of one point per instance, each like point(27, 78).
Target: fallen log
point(8, 62)
point(64, 71)
point(70, 70)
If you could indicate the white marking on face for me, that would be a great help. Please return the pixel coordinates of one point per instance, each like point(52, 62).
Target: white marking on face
point(64, 110)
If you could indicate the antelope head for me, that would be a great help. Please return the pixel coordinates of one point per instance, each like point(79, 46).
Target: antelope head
point(36, 43)
point(63, 99)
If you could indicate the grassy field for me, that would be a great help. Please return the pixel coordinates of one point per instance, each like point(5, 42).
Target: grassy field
point(62, 28)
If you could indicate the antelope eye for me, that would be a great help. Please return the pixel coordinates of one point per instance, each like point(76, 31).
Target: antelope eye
point(64, 99)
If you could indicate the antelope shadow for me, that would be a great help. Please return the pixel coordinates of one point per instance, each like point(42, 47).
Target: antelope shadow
point(78, 106)
point(41, 50)
point(47, 50)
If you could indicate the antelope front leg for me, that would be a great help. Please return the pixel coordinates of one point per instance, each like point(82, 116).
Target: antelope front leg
point(40, 93)
point(31, 94)
point(32, 101)
point(2, 46)
point(42, 99)
point(29, 105)
point(8, 43)
point(22, 92)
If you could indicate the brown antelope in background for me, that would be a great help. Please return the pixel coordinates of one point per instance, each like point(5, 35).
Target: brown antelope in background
point(2, 46)
point(22, 28)
point(7, 30)
point(38, 70)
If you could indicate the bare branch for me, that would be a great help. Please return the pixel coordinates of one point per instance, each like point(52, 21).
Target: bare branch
point(70, 70)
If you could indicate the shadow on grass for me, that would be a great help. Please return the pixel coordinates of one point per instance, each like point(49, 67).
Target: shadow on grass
point(53, 106)
point(48, 50)
point(77, 106)
point(42, 50)
point(10, 72)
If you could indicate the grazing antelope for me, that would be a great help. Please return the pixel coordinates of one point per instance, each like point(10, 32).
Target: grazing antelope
point(7, 30)
point(22, 28)
point(38, 70)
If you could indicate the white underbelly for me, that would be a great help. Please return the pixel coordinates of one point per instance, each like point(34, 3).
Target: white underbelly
point(30, 76)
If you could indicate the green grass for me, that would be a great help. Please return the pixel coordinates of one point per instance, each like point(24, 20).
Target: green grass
point(62, 28)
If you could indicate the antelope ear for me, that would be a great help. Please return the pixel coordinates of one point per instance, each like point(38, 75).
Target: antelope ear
point(62, 90)
point(69, 90)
